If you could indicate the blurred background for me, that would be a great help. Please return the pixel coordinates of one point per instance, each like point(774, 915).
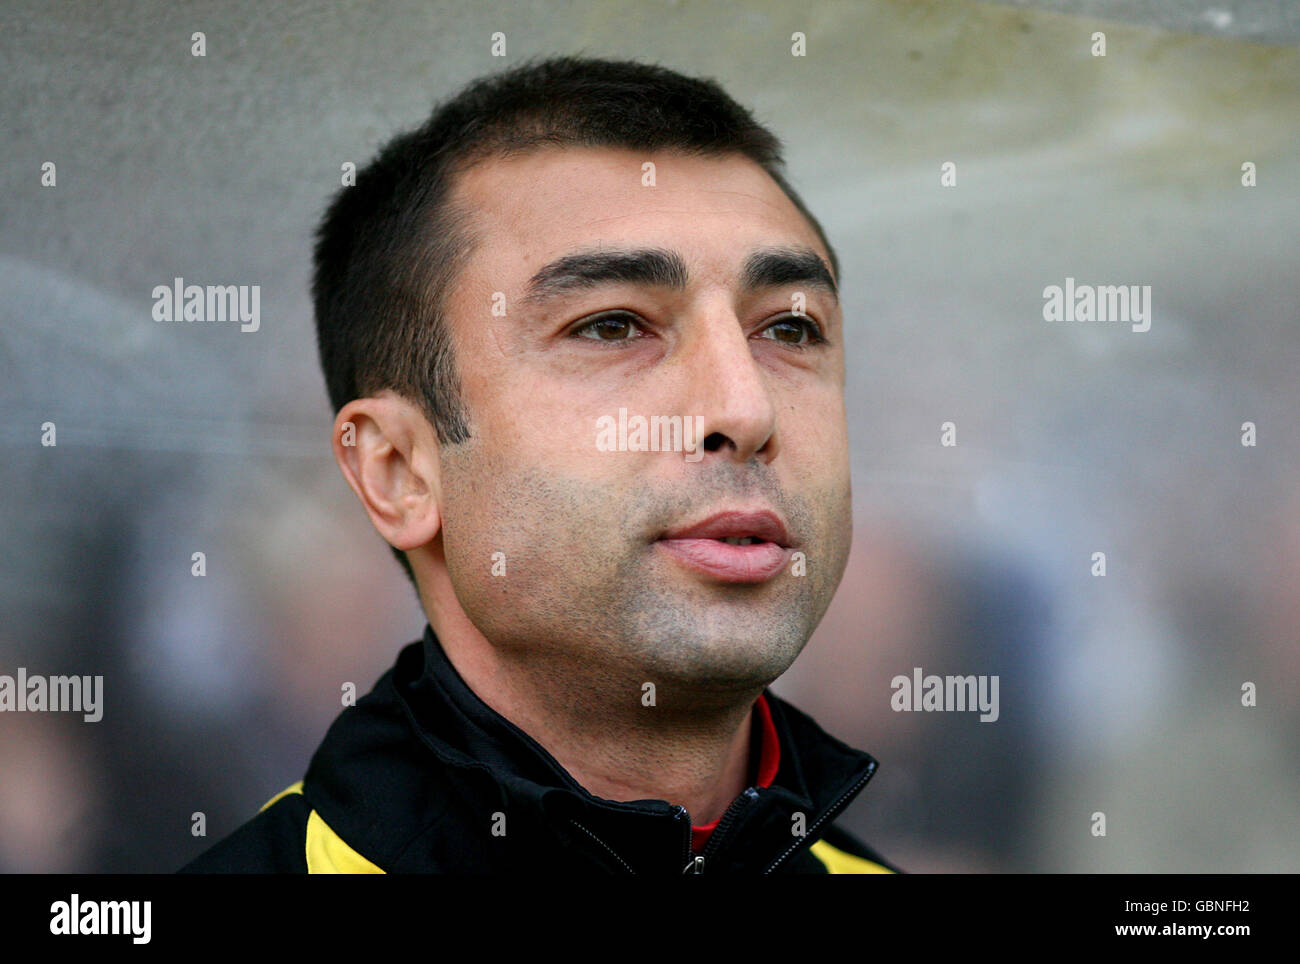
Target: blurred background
point(1119, 694)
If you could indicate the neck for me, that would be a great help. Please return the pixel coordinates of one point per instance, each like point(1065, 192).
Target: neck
point(599, 728)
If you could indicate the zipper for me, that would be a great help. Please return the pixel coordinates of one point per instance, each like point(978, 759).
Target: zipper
point(728, 818)
point(830, 814)
point(695, 863)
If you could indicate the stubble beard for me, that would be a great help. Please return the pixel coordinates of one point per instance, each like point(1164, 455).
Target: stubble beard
point(588, 602)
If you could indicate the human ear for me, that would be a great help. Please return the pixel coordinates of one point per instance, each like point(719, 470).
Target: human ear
point(388, 453)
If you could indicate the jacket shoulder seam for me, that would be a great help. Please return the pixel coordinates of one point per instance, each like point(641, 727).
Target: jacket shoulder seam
point(292, 788)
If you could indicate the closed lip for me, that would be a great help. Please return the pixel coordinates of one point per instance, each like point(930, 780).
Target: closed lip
point(736, 524)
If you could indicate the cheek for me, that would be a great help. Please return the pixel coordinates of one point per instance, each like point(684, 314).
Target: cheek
point(822, 471)
point(483, 525)
point(818, 447)
point(520, 541)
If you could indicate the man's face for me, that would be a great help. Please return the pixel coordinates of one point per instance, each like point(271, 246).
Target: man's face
point(593, 580)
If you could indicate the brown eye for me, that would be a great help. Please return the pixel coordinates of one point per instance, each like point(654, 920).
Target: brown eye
point(795, 331)
point(615, 326)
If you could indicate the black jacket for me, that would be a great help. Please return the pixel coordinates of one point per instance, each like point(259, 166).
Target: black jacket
point(421, 776)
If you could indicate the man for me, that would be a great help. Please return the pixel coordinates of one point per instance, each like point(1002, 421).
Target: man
point(586, 352)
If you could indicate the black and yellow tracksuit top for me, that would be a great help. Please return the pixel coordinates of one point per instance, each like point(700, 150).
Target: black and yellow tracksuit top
point(421, 776)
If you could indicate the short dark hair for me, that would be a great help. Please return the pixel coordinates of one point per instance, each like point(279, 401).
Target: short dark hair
point(390, 247)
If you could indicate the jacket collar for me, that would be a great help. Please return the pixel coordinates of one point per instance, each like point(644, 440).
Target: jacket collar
point(422, 775)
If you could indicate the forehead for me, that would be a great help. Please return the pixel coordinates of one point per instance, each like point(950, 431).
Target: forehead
point(713, 210)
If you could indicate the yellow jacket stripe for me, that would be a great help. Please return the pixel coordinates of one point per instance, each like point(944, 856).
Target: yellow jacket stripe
point(839, 862)
point(327, 852)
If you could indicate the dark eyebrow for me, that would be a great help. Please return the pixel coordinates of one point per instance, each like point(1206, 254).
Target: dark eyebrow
point(588, 269)
point(766, 268)
point(777, 267)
